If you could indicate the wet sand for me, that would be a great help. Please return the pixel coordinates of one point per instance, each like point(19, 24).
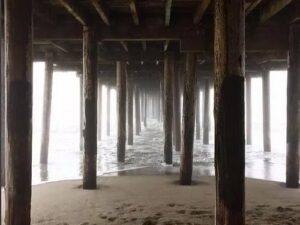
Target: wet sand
point(148, 200)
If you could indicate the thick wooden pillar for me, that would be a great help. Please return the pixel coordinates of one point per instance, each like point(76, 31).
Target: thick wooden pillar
point(189, 95)
point(130, 111)
point(162, 99)
point(206, 117)
point(266, 110)
point(137, 111)
point(176, 112)
point(168, 113)
point(99, 110)
point(121, 99)
point(248, 110)
point(47, 108)
point(145, 109)
point(89, 108)
point(81, 147)
point(229, 71)
point(293, 107)
point(198, 129)
point(108, 111)
point(18, 64)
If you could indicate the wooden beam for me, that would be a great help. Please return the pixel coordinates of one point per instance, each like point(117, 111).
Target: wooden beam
point(134, 12)
point(295, 12)
point(272, 8)
point(98, 5)
point(251, 6)
point(202, 6)
point(168, 8)
point(75, 10)
point(124, 45)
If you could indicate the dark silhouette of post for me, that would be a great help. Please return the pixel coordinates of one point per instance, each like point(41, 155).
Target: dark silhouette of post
point(145, 109)
point(293, 107)
point(176, 112)
point(47, 107)
point(108, 111)
point(121, 100)
point(130, 111)
point(81, 110)
point(168, 113)
point(99, 110)
point(229, 69)
point(137, 111)
point(206, 119)
point(18, 64)
point(248, 110)
point(198, 129)
point(90, 108)
point(189, 95)
point(266, 110)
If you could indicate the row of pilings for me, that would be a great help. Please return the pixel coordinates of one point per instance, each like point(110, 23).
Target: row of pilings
point(229, 70)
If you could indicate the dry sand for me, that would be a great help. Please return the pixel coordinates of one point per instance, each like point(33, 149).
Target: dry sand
point(148, 200)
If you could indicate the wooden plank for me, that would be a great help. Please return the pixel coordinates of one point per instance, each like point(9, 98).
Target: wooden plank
point(102, 12)
point(251, 6)
point(134, 12)
point(201, 8)
point(168, 9)
point(272, 8)
point(124, 45)
point(75, 10)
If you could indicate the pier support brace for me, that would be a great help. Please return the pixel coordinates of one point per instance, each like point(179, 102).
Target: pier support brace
point(176, 112)
point(229, 69)
point(130, 111)
point(198, 130)
point(89, 108)
point(266, 110)
point(189, 95)
point(99, 110)
point(293, 107)
point(18, 64)
point(248, 110)
point(121, 101)
point(108, 110)
point(137, 111)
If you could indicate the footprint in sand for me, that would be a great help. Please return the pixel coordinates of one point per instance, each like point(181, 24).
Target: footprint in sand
point(171, 204)
point(182, 211)
point(282, 209)
point(199, 212)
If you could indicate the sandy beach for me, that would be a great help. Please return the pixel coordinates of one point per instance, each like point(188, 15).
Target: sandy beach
point(148, 200)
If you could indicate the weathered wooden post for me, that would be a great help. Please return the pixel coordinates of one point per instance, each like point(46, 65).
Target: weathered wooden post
point(248, 110)
point(81, 147)
point(162, 99)
point(137, 111)
point(266, 110)
point(47, 107)
point(89, 108)
point(206, 117)
point(99, 110)
point(189, 94)
point(18, 67)
point(229, 70)
point(121, 99)
point(145, 109)
point(293, 107)
point(198, 130)
point(108, 111)
point(176, 112)
point(130, 111)
point(168, 113)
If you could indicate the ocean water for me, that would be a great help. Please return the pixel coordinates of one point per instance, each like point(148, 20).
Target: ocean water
point(146, 155)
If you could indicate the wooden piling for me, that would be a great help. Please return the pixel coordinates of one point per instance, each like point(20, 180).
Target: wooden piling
point(81, 147)
point(189, 95)
point(18, 64)
point(206, 117)
point(121, 100)
point(293, 107)
point(248, 110)
point(229, 70)
point(89, 108)
point(47, 107)
point(145, 109)
point(176, 112)
point(99, 110)
point(198, 130)
point(168, 113)
point(130, 111)
point(137, 111)
point(108, 111)
point(266, 110)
